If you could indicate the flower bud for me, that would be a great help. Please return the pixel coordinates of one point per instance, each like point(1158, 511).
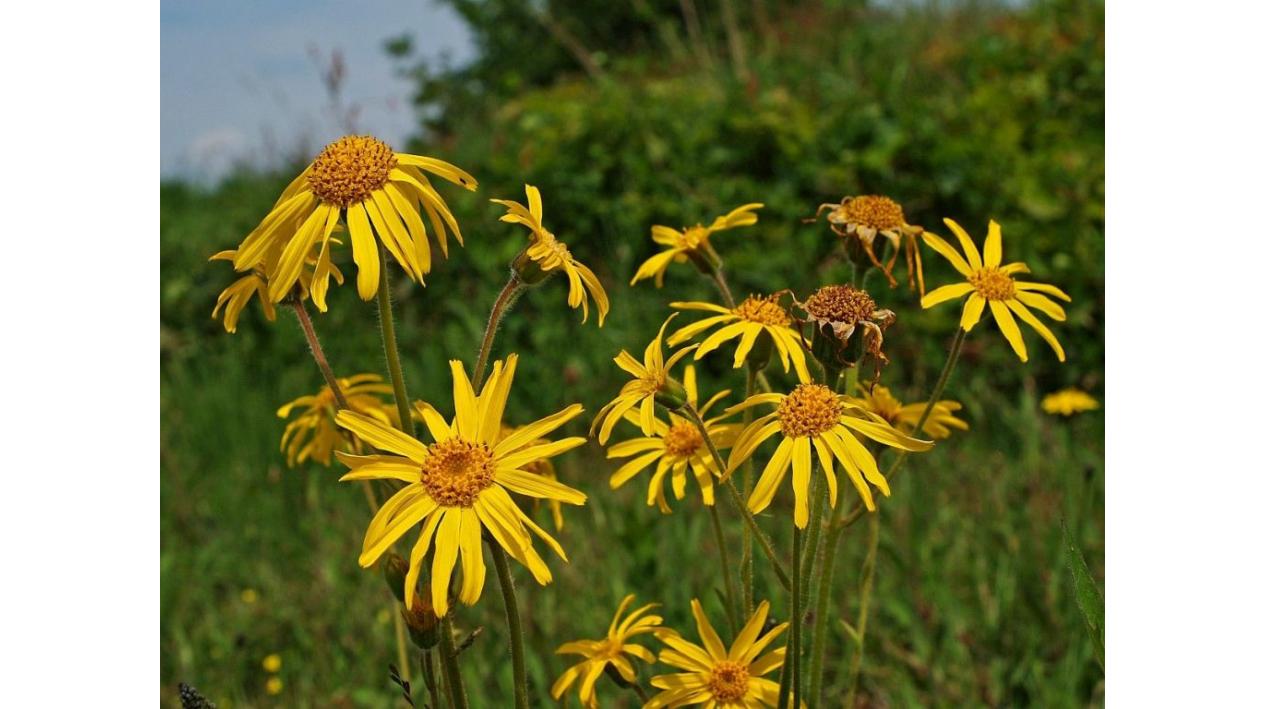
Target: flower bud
point(527, 269)
point(672, 395)
point(423, 624)
point(394, 571)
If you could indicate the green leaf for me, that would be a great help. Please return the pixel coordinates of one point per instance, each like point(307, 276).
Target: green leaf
point(1087, 595)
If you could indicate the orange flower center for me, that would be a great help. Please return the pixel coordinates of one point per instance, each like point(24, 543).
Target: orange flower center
point(349, 169)
point(457, 470)
point(729, 681)
point(992, 284)
point(682, 439)
point(839, 304)
point(809, 410)
point(874, 211)
point(762, 310)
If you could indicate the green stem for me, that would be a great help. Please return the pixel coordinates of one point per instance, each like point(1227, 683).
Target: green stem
point(692, 414)
point(504, 301)
point(428, 674)
point(820, 613)
point(796, 610)
point(954, 353)
point(866, 586)
point(391, 346)
point(447, 659)
point(318, 353)
point(729, 596)
point(717, 275)
point(401, 646)
point(747, 567)
point(517, 653)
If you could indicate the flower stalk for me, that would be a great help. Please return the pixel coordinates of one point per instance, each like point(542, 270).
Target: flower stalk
point(318, 353)
point(503, 303)
point(391, 346)
point(517, 656)
point(447, 659)
point(866, 587)
point(730, 597)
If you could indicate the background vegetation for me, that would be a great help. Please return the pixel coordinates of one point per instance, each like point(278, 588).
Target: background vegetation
point(627, 116)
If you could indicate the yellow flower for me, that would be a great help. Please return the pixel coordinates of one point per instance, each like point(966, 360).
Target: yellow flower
point(380, 194)
point(272, 663)
point(1068, 402)
point(990, 283)
point(813, 417)
point(864, 218)
point(754, 319)
point(460, 484)
point(548, 255)
point(315, 436)
point(691, 243)
point(730, 678)
point(677, 446)
point(273, 686)
point(234, 298)
point(651, 378)
point(904, 417)
point(249, 596)
point(613, 650)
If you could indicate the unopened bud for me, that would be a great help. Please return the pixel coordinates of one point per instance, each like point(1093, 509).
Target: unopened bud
point(527, 269)
point(423, 624)
point(672, 395)
point(395, 571)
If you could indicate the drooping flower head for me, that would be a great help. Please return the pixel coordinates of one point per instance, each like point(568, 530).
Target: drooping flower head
point(459, 485)
point(861, 219)
point(614, 651)
point(1068, 402)
point(379, 193)
point(313, 435)
point(716, 676)
point(990, 283)
point(904, 417)
point(236, 296)
point(836, 313)
point(691, 243)
point(677, 447)
point(545, 254)
point(651, 380)
point(758, 323)
point(814, 421)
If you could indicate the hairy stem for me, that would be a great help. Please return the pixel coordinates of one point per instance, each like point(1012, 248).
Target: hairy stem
point(730, 597)
point(504, 301)
point(428, 674)
point(318, 353)
point(447, 659)
point(517, 652)
point(391, 346)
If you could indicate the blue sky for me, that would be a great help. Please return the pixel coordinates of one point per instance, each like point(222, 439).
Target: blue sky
point(238, 83)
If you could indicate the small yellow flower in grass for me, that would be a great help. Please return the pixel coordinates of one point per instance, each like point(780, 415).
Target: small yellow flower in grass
point(651, 380)
point(614, 650)
point(249, 596)
point(867, 216)
point(315, 436)
point(1068, 402)
point(273, 686)
point(731, 678)
point(814, 418)
point(546, 254)
point(678, 447)
point(904, 417)
point(234, 298)
point(992, 284)
point(460, 484)
point(380, 194)
point(272, 663)
point(691, 243)
point(759, 322)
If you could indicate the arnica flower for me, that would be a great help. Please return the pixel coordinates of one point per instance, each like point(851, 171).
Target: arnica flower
point(904, 417)
point(678, 447)
point(315, 436)
point(814, 418)
point(460, 484)
point(761, 324)
point(836, 312)
point(234, 298)
point(1068, 402)
point(714, 676)
point(378, 192)
point(988, 282)
point(863, 218)
point(651, 381)
point(546, 254)
point(691, 244)
point(612, 651)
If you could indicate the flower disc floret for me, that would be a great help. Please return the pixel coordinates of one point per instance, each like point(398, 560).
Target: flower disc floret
point(682, 439)
point(763, 310)
point(993, 284)
point(729, 681)
point(457, 470)
point(349, 169)
point(875, 211)
point(809, 410)
point(840, 304)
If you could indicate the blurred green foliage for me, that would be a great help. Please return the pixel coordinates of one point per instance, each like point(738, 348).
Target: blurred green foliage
point(970, 112)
